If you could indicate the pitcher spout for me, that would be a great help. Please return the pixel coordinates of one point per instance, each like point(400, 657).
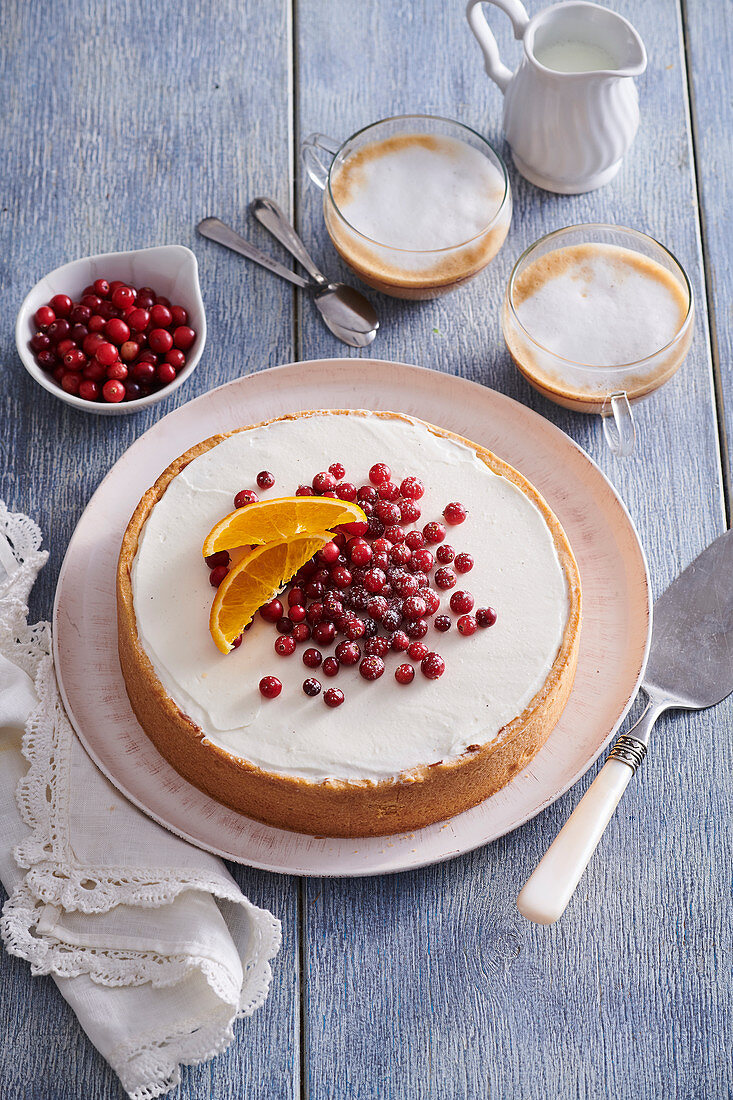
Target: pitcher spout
point(581, 37)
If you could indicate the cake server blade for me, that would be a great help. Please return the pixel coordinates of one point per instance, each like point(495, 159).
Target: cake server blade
point(691, 666)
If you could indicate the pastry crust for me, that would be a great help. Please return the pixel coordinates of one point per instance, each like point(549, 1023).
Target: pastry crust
point(335, 807)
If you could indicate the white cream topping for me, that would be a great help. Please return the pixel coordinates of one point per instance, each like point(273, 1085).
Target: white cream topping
point(382, 728)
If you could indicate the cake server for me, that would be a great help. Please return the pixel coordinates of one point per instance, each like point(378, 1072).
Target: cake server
point(345, 311)
point(690, 666)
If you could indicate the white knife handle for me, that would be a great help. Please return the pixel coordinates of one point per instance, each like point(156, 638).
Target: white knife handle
point(551, 885)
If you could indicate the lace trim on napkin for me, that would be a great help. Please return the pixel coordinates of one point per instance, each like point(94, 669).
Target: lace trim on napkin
point(55, 879)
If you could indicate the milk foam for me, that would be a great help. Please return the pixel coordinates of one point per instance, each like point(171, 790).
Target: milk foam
point(418, 192)
point(599, 304)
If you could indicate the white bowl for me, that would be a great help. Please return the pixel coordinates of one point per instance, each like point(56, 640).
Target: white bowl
point(170, 269)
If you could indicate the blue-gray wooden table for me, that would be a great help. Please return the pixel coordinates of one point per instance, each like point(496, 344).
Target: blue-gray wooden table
point(123, 124)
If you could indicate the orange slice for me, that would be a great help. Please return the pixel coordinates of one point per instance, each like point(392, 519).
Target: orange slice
point(256, 580)
point(279, 519)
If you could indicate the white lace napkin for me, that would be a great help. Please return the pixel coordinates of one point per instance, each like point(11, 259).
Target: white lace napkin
point(149, 939)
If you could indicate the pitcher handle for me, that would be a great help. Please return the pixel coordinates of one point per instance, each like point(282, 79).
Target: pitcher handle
point(310, 150)
point(493, 64)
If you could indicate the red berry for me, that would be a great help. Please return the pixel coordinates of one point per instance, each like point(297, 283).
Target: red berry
point(61, 304)
point(333, 697)
point(412, 488)
point(371, 668)
point(329, 553)
point(398, 641)
point(330, 668)
point(285, 645)
point(405, 585)
point(271, 611)
point(70, 382)
point(422, 561)
point(388, 491)
point(324, 633)
point(176, 358)
point(88, 390)
point(245, 497)
point(367, 495)
point(96, 323)
point(445, 554)
point(432, 666)
point(270, 687)
point(101, 288)
point(217, 575)
point(400, 555)
point(117, 331)
point(312, 687)
point(323, 482)
point(376, 647)
point(461, 602)
point(345, 491)
point(304, 491)
point(360, 552)
point(464, 563)
point(374, 580)
point(337, 470)
point(94, 303)
point(47, 359)
point(404, 674)
point(44, 316)
point(301, 632)
point(341, 576)
point(409, 511)
point(133, 389)
point(454, 513)
point(160, 317)
point(466, 625)
point(416, 628)
point(444, 578)
point(433, 532)
point(414, 540)
point(221, 557)
point(379, 473)
point(418, 651)
point(183, 337)
point(348, 653)
point(284, 624)
point(118, 371)
point(485, 616)
point(312, 658)
point(265, 480)
point(159, 340)
point(95, 371)
point(123, 297)
point(40, 342)
point(138, 319)
point(357, 528)
point(297, 613)
point(113, 391)
point(432, 600)
point(388, 513)
point(179, 315)
point(414, 607)
point(443, 623)
point(58, 330)
point(143, 370)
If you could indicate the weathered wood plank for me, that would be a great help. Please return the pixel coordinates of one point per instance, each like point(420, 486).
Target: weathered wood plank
point(429, 984)
point(122, 125)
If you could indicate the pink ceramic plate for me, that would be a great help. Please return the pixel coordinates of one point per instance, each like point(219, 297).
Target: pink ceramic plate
point(614, 644)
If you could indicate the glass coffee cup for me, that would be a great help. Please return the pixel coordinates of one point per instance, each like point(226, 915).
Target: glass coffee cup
point(597, 317)
point(416, 205)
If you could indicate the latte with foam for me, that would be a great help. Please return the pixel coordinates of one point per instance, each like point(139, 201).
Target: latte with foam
point(415, 214)
point(590, 319)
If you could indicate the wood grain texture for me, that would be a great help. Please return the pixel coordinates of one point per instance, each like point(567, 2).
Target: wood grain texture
point(429, 984)
point(138, 121)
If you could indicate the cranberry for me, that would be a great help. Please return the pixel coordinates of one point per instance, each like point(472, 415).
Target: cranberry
point(58, 330)
point(44, 316)
point(333, 697)
point(432, 666)
point(96, 323)
point(91, 342)
point(129, 351)
point(93, 302)
point(377, 607)
point(101, 288)
point(338, 470)
point(367, 495)
point(409, 511)
point(314, 591)
point(329, 554)
point(285, 645)
point(324, 632)
point(221, 557)
point(70, 382)
point(388, 491)
point(118, 371)
point(418, 651)
point(88, 390)
point(95, 371)
point(179, 315)
point(414, 540)
point(284, 625)
point(374, 580)
point(444, 578)
point(301, 632)
point(265, 480)
point(297, 613)
point(217, 575)
point(433, 532)
point(312, 687)
point(348, 653)
point(159, 340)
point(138, 319)
point(304, 491)
point(414, 607)
point(271, 611)
point(359, 527)
point(454, 513)
point(323, 482)
point(398, 641)
point(404, 674)
point(422, 560)
point(123, 297)
point(392, 619)
point(341, 576)
point(432, 600)
point(113, 391)
point(443, 623)
point(376, 647)
point(143, 371)
point(400, 555)
point(445, 554)
point(371, 668)
point(388, 513)
point(270, 687)
point(245, 497)
point(412, 488)
point(405, 585)
point(47, 359)
point(464, 563)
point(379, 473)
point(394, 535)
point(40, 342)
point(416, 628)
point(485, 616)
point(466, 625)
point(360, 552)
point(133, 389)
point(160, 316)
point(165, 373)
point(461, 602)
point(176, 358)
point(104, 309)
point(64, 346)
point(117, 331)
point(330, 667)
point(312, 658)
point(354, 628)
point(61, 304)
point(183, 337)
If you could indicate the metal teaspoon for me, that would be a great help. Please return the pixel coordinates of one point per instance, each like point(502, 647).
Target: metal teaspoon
point(346, 312)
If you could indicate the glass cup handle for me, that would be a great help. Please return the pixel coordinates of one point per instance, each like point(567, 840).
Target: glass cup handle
point(310, 150)
point(618, 423)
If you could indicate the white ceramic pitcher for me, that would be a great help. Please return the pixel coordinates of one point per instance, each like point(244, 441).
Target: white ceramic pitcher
point(571, 109)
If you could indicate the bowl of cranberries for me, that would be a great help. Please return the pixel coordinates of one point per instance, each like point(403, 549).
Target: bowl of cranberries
point(115, 333)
